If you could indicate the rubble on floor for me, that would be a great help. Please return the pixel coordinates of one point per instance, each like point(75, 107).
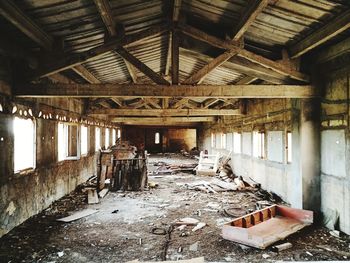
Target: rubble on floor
point(121, 230)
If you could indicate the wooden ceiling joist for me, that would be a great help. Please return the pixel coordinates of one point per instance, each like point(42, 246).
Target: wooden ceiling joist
point(165, 112)
point(164, 91)
point(25, 24)
point(142, 67)
point(106, 14)
point(253, 9)
point(339, 24)
point(160, 120)
point(113, 43)
point(199, 76)
point(231, 45)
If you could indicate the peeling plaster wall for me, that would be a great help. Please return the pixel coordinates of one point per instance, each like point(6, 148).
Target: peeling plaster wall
point(26, 194)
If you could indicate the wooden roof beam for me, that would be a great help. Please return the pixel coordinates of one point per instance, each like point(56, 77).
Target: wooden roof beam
point(165, 112)
point(17, 17)
point(339, 24)
point(163, 91)
point(106, 14)
point(253, 9)
point(199, 76)
point(161, 119)
point(231, 45)
point(113, 43)
point(142, 67)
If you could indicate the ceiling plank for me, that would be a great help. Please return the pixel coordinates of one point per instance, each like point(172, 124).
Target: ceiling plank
point(25, 24)
point(246, 80)
point(231, 45)
point(162, 119)
point(199, 76)
point(339, 24)
point(142, 67)
point(12, 13)
point(165, 112)
point(106, 14)
point(253, 9)
point(85, 74)
point(113, 43)
point(164, 91)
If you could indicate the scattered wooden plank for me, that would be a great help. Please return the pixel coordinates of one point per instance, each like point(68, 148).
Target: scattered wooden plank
point(103, 193)
point(193, 260)
point(92, 196)
point(77, 215)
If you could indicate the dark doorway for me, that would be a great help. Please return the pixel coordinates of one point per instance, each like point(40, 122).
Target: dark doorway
point(154, 140)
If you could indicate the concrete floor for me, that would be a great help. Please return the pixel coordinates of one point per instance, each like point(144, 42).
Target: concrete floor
point(126, 234)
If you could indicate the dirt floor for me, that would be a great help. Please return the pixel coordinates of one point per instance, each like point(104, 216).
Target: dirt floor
point(121, 230)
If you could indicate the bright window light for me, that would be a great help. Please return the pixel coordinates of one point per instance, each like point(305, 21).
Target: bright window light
point(113, 136)
point(97, 139)
point(68, 141)
point(258, 144)
point(24, 144)
point(106, 138)
point(84, 140)
point(157, 138)
point(289, 147)
point(212, 140)
point(223, 140)
point(119, 133)
point(237, 142)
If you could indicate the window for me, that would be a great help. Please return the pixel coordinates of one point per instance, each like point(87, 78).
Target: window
point(259, 144)
point(156, 138)
point(212, 140)
point(223, 140)
point(229, 141)
point(236, 142)
point(289, 147)
point(119, 133)
point(106, 138)
point(218, 140)
point(113, 136)
point(84, 140)
point(68, 142)
point(97, 139)
point(24, 144)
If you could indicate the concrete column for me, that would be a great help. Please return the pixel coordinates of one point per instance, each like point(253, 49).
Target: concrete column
point(310, 153)
point(6, 147)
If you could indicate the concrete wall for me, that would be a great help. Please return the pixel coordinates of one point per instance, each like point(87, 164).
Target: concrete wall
point(25, 194)
point(335, 147)
point(172, 139)
point(275, 118)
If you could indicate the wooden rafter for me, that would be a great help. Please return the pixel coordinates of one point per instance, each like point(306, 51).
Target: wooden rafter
point(180, 103)
point(207, 103)
point(142, 67)
point(175, 57)
point(106, 14)
point(199, 76)
point(253, 9)
point(113, 43)
point(152, 102)
point(165, 112)
point(339, 24)
point(164, 91)
point(15, 15)
point(231, 45)
point(246, 80)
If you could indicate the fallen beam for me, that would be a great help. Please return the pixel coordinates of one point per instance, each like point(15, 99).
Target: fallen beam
point(164, 112)
point(163, 91)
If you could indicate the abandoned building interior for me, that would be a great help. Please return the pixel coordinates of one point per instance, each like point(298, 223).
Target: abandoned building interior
point(174, 130)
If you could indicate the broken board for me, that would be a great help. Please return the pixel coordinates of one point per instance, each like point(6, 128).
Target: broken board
point(264, 227)
point(92, 196)
point(77, 215)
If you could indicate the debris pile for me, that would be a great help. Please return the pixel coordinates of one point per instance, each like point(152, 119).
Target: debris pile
point(164, 168)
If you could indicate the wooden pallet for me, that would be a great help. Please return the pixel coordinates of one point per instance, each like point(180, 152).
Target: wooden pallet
point(264, 227)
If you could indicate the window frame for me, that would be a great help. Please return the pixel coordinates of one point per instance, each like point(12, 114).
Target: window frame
point(107, 141)
point(259, 144)
point(81, 140)
point(28, 169)
point(289, 147)
point(65, 141)
point(99, 143)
